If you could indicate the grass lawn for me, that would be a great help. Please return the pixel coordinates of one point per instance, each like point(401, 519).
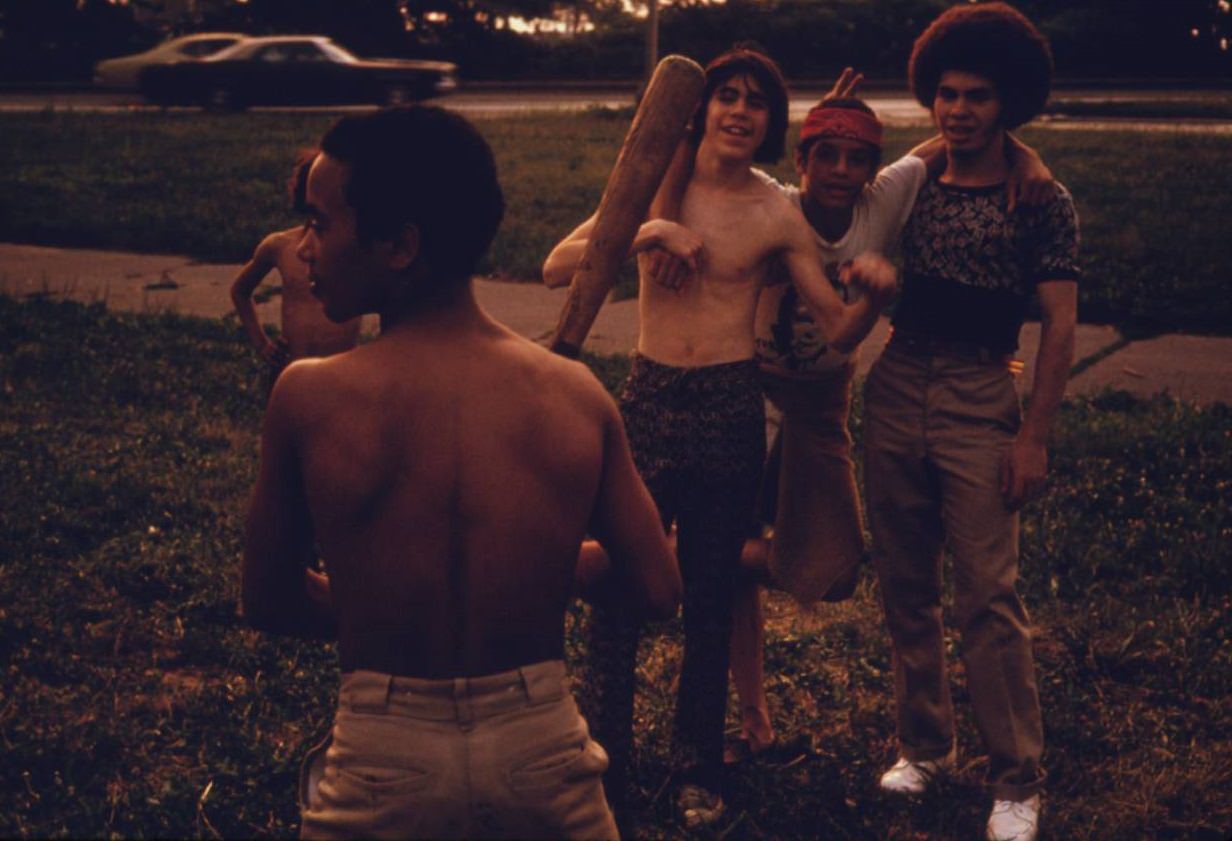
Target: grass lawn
point(1153, 207)
point(136, 704)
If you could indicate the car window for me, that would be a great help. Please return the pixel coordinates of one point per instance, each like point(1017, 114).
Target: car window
point(197, 49)
point(305, 52)
point(272, 53)
point(216, 44)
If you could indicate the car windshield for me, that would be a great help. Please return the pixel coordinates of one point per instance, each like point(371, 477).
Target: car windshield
point(336, 52)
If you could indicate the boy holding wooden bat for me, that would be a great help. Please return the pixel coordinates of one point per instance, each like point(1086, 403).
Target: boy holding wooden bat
point(693, 403)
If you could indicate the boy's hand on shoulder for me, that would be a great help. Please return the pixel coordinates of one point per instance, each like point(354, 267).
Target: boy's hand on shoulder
point(875, 275)
point(1030, 183)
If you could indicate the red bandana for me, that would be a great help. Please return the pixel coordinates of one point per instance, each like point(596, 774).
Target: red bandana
point(841, 122)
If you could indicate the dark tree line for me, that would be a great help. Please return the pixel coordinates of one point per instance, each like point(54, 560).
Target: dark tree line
point(61, 39)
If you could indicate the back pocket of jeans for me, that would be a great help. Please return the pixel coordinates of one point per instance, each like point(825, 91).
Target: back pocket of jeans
point(560, 764)
point(377, 780)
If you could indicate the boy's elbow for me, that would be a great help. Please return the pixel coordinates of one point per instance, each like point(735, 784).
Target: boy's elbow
point(554, 277)
point(844, 338)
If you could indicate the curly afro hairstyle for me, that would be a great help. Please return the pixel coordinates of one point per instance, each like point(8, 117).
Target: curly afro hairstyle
point(993, 40)
point(748, 60)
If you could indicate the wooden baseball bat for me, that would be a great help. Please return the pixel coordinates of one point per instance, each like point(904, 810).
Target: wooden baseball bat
point(647, 150)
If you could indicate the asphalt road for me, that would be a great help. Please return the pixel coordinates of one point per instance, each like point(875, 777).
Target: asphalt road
point(480, 102)
point(486, 100)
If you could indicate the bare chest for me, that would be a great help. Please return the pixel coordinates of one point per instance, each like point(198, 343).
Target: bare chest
point(738, 238)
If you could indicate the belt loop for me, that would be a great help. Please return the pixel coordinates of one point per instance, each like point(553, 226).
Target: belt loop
point(542, 685)
point(464, 709)
point(372, 693)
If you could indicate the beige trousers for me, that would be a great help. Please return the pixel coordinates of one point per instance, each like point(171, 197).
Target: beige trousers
point(935, 431)
point(818, 533)
point(500, 756)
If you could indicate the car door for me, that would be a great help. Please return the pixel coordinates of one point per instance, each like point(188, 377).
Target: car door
point(269, 77)
point(308, 74)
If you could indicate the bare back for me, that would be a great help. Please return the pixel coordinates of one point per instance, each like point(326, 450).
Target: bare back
point(308, 332)
point(450, 478)
point(710, 320)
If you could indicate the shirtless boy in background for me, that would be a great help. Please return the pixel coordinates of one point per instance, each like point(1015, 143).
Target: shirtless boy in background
point(306, 332)
point(448, 471)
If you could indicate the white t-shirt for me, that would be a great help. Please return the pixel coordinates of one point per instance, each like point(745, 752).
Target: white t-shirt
point(787, 337)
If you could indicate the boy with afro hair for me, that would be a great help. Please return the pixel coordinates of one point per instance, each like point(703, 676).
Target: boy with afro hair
point(950, 457)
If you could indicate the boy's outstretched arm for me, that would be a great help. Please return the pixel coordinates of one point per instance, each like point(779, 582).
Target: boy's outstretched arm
point(279, 593)
point(845, 325)
point(242, 289)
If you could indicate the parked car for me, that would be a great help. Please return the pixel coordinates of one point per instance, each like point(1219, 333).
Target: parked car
point(294, 70)
point(123, 71)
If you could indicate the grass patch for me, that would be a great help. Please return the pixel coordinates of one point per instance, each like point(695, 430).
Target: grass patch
point(210, 186)
point(135, 703)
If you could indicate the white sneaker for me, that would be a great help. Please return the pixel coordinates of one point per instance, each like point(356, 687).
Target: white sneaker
point(907, 777)
point(1014, 820)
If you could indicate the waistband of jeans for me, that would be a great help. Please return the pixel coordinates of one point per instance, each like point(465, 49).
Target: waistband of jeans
point(749, 365)
point(916, 344)
point(462, 699)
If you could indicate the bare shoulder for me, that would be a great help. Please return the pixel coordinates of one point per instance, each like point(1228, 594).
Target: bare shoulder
point(570, 375)
point(783, 214)
point(267, 249)
point(773, 200)
point(279, 244)
point(309, 386)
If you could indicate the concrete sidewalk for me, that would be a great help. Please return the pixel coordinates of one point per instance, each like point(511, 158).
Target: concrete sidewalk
point(1191, 368)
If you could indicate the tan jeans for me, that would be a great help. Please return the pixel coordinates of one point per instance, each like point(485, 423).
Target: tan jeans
point(500, 756)
point(818, 533)
point(935, 431)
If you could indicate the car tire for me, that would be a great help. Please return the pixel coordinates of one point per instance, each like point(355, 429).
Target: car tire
point(397, 94)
